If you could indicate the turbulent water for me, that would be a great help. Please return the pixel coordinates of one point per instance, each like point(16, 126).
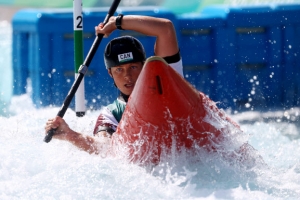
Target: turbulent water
point(32, 169)
point(5, 66)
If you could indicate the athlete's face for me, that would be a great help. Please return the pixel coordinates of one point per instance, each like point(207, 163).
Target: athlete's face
point(126, 75)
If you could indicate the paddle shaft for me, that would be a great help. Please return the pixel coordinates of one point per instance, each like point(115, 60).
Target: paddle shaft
point(82, 70)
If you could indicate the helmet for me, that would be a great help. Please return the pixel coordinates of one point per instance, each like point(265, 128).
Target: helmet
point(122, 50)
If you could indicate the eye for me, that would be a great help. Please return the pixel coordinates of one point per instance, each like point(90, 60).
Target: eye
point(119, 69)
point(134, 67)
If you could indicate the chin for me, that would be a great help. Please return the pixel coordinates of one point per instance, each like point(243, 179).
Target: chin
point(126, 92)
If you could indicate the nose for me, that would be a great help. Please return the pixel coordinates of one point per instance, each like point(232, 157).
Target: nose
point(128, 73)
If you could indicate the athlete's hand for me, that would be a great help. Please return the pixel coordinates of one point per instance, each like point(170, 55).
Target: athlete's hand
point(62, 128)
point(106, 29)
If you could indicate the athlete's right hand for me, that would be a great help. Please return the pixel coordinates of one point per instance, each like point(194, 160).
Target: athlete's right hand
point(62, 128)
point(106, 29)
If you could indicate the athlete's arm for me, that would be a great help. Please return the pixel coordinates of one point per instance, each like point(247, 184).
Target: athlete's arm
point(163, 29)
point(83, 142)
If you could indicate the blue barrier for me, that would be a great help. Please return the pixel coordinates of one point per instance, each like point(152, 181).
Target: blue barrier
point(259, 51)
point(250, 50)
point(289, 19)
point(20, 62)
point(198, 36)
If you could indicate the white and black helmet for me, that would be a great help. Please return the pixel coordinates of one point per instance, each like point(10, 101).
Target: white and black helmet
point(122, 50)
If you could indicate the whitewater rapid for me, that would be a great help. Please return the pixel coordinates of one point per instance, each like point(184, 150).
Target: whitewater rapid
point(33, 169)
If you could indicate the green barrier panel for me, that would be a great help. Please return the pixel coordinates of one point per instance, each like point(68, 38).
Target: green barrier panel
point(178, 7)
point(7, 2)
point(205, 3)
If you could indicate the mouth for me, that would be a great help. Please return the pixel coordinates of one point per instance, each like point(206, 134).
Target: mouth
point(129, 85)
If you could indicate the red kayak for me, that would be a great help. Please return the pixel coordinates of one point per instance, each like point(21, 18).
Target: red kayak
point(165, 113)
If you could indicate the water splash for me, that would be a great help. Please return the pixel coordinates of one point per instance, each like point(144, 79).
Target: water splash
point(5, 67)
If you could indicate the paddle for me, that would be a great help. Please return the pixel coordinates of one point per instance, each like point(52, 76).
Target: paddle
point(82, 70)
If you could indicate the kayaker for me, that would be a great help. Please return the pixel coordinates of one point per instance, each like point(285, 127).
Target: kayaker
point(124, 58)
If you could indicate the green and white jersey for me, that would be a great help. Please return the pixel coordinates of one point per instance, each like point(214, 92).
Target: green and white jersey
point(110, 116)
